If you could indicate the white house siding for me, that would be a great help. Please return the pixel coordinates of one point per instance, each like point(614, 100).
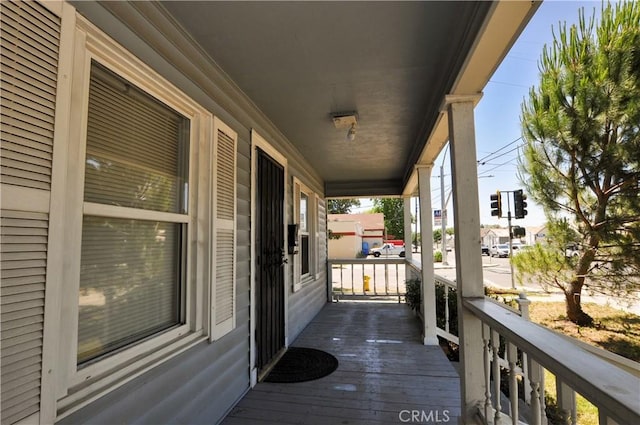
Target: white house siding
point(202, 383)
point(306, 302)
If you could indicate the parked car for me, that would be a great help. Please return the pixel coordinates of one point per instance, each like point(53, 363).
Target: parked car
point(485, 250)
point(571, 250)
point(388, 249)
point(522, 248)
point(501, 250)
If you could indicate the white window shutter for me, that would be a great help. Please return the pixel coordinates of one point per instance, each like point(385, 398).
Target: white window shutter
point(223, 249)
point(297, 261)
point(29, 42)
point(316, 240)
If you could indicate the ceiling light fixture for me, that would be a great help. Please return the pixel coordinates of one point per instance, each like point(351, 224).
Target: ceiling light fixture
point(351, 134)
point(346, 120)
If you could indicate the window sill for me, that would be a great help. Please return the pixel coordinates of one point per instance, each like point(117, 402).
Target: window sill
point(94, 387)
point(307, 280)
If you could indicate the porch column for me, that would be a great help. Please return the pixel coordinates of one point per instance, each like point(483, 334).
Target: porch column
point(426, 257)
point(468, 247)
point(408, 243)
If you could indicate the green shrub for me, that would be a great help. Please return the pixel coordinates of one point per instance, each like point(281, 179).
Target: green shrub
point(437, 257)
point(412, 297)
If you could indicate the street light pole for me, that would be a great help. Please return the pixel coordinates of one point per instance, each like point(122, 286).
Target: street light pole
point(513, 284)
point(443, 206)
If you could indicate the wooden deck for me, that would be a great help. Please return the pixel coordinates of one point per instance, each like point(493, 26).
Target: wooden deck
point(385, 373)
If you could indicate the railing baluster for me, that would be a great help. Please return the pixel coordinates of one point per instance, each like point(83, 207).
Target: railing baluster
point(495, 348)
point(599, 378)
point(543, 403)
point(386, 279)
point(375, 291)
point(566, 398)
point(535, 376)
point(512, 357)
point(364, 273)
point(486, 339)
point(526, 382)
point(398, 282)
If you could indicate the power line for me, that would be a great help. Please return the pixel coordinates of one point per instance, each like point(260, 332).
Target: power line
point(495, 152)
point(504, 153)
point(497, 166)
point(507, 84)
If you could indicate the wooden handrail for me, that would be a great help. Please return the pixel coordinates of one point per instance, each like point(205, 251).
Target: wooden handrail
point(380, 260)
point(610, 388)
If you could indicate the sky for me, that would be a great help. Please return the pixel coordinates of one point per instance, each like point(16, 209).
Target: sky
point(497, 115)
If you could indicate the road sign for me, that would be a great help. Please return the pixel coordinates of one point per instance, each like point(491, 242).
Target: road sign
point(437, 218)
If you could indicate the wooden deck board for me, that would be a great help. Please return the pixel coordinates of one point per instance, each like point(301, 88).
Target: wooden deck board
point(384, 370)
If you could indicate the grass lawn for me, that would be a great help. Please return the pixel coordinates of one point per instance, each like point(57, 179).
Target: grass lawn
point(614, 330)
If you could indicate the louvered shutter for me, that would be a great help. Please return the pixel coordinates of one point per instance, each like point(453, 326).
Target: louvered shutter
point(29, 45)
point(223, 303)
point(24, 252)
point(28, 69)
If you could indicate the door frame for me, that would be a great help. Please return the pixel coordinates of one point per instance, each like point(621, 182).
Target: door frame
point(258, 141)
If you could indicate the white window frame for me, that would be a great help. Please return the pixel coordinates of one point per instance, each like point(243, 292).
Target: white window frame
point(318, 236)
point(298, 278)
point(74, 387)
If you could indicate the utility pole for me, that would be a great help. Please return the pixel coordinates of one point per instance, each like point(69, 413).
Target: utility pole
point(443, 206)
point(496, 210)
point(513, 283)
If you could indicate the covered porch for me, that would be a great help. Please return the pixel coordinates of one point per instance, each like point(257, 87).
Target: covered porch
point(385, 373)
point(288, 104)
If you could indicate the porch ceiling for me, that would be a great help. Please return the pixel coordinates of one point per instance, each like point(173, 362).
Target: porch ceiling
point(391, 62)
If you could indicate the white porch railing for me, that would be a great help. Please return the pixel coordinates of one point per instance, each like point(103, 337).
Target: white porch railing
point(516, 352)
point(367, 278)
point(445, 303)
point(530, 348)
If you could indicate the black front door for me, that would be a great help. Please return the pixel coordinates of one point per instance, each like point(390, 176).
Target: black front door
point(269, 260)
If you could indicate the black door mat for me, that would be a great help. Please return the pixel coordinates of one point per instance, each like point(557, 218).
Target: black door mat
point(300, 364)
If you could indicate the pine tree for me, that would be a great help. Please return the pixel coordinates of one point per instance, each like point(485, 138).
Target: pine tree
point(582, 154)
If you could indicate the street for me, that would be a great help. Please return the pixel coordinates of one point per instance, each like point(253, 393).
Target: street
point(497, 274)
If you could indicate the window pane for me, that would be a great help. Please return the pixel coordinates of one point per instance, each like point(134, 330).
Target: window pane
point(304, 254)
point(129, 282)
point(304, 201)
point(137, 147)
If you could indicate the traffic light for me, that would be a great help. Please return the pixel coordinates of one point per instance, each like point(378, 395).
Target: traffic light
point(518, 232)
point(519, 199)
point(496, 204)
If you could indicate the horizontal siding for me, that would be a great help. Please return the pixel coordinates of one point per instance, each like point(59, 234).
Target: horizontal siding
point(203, 383)
point(243, 243)
point(305, 303)
point(163, 394)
